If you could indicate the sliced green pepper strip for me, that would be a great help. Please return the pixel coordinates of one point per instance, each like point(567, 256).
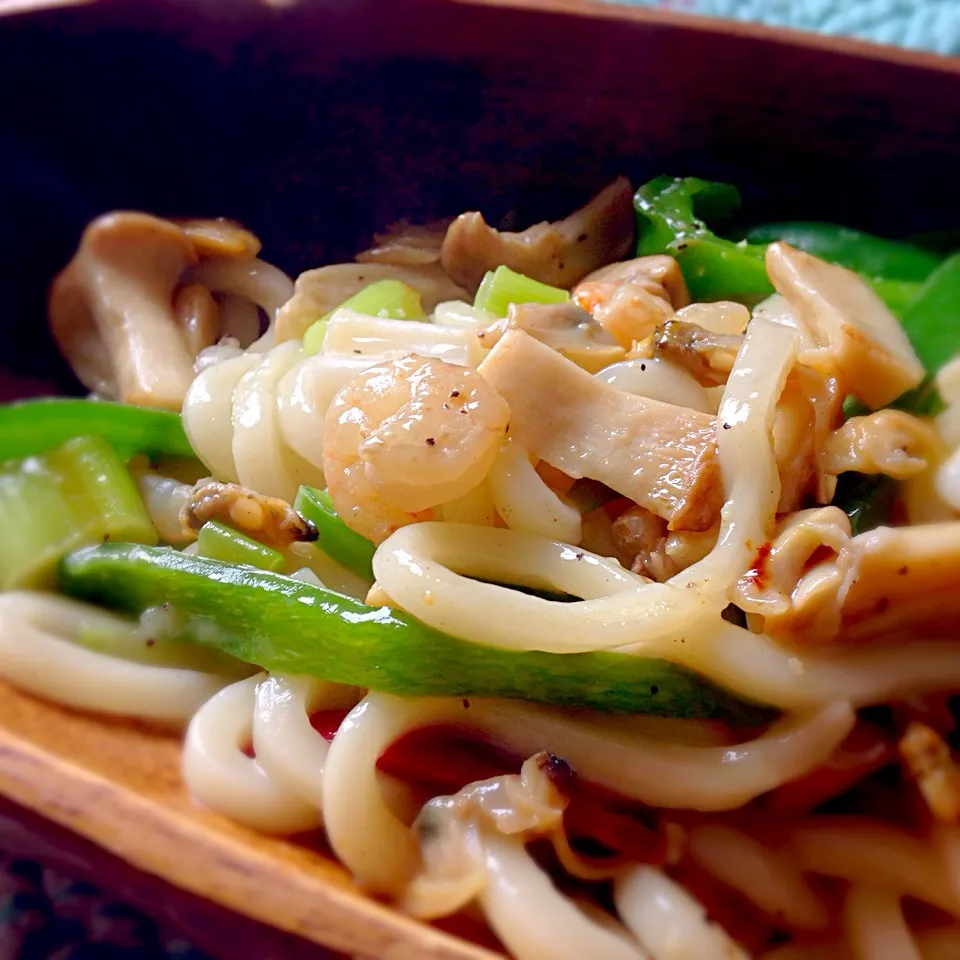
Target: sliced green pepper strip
point(335, 538)
point(31, 427)
point(932, 321)
point(867, 254)
point(668, 221)
point(284, 624)
point(220, 542)
point(669, 211)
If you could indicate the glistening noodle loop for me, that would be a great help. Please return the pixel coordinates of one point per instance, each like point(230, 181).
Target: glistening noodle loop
point(610, 602)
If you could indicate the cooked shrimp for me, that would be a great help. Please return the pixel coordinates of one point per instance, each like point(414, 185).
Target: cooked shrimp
point(407, 436)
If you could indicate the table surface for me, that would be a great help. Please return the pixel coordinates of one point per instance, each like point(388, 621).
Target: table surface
point(918, 24)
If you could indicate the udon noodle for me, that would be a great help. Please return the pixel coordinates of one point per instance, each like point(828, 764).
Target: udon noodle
point(589, 464)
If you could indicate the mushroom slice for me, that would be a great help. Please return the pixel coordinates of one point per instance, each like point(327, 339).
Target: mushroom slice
point(111, 310)
point(661, 456)
point(220, 238)
point(559, 253)
point(707, 356)
point(563, 327)
point(633, 298)
point(407, 244)
point(859, 339)
point(269, 519)
point(319, 291)
point(891, 442)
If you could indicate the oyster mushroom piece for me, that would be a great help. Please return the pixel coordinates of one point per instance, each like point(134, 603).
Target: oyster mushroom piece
point(560, 253)
point(220, 238)
point(319, 291)
point(111, 310)
point(661, 456)
point(858, 338)
point(563, 327)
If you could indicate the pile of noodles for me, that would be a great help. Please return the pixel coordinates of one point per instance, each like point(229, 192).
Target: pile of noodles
point(570, 834)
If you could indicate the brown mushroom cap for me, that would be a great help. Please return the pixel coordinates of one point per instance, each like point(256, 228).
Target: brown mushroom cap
point(560, 253)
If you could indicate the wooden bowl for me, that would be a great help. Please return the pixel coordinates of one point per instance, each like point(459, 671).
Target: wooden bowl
point(315, 123)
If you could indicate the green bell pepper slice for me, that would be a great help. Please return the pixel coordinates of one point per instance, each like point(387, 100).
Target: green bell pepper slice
point(669, 211)
point(865, 253)
point(284, 624)
point(31, 427)
point(335, 538)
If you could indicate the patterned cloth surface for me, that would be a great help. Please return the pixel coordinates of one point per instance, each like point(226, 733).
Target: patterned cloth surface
point(44, 916)
point(920, 24)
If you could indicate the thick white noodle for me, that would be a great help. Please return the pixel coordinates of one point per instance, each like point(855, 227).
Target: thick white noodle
point(875, 926)
point(414, 566)
point(947, 480)
point(534, 920)
point(351, 332)
point(459, 313)
point(873, 852)
point(37, 655)
point(654, 616)
point(285, 743)
point(208, 414)
point(652, 770)
point(658, 379)
point(254, 280)
point(667, 920)
point(525, 502)
point(264, 461)
point(305, 392)
point(221, 776)
point(211, 356)
point(769, 878)
point(376, 846)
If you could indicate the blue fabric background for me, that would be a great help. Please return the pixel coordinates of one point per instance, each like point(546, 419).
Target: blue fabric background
point(921, 24)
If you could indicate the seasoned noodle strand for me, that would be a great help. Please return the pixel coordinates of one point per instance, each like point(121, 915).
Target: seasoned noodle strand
point(534, 920)
point(875, 926)
point(220, 775)
point(34, 632)
point(285, 743)
point(667, 920)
